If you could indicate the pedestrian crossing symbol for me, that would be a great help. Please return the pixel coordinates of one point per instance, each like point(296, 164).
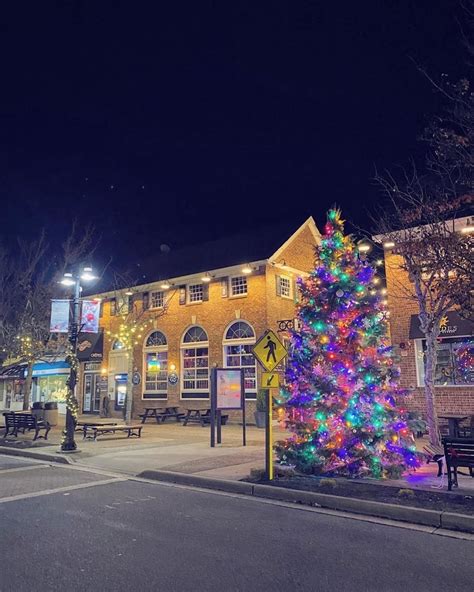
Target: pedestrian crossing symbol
point(269, 351)
point(269, 380)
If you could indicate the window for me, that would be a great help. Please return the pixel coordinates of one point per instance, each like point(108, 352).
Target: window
point(195, 293)
point(238, 342)
point(113, 307)
point(284, 286)
point(195, 364)
point(238, 286)
point(455, 361)
point(155, 360)
point(157, 299)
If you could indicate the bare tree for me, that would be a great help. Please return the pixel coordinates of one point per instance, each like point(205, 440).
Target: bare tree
point(438, 259)
point(28, 279)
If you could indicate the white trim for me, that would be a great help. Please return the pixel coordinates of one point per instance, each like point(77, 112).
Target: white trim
point(188, 293)
point(194, 278)
point(240, 341)
point(290, 280)
point(243, 295)
point(186, 394)
point(309, 223)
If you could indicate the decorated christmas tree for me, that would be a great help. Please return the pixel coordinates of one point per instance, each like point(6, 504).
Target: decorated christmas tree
point(341, 397)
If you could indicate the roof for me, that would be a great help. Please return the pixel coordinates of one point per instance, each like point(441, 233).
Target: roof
point(201, 257)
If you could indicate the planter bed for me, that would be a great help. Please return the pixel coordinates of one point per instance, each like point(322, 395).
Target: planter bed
point(429, 500)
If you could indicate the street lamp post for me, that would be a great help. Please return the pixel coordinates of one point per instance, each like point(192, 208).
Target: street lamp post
point(68, 444)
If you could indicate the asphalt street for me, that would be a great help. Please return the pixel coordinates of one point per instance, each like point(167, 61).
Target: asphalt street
point(69, 529)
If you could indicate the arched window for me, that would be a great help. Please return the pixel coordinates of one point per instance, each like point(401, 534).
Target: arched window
point(155, 363)
point(238, 341)
point(195, 364)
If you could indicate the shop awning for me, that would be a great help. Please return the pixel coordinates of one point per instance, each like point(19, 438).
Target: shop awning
point(17, 371)
point(50, 368)
point(90, 347)
point(452, 325)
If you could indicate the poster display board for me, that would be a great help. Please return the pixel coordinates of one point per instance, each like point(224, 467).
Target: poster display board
point(227, 392)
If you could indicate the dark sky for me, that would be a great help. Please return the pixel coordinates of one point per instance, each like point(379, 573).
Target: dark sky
point(170, 122)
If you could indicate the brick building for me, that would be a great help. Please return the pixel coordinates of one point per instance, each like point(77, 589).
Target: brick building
point(453, 381)
point(204, 307)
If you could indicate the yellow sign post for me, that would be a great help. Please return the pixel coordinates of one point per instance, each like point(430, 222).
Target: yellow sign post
point(269, 351)
point(270, 380)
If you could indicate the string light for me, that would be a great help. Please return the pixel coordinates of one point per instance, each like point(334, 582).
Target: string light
point(340, 401)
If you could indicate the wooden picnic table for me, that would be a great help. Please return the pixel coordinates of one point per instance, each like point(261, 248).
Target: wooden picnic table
point(454, 419)
point(162, 413)
point(200, 415)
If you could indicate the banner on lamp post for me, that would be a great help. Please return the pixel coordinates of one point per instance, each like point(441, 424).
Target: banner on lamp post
point(59, 316)
point(90, 316)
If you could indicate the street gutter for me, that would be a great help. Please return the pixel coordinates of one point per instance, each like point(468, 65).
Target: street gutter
point(434, 518)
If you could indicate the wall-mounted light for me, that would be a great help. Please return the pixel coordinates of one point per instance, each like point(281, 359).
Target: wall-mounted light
point(172, 367)
point(165, 285)
point(364, 248)
point(128, 293)
point(206, 278)
point(467, 229)
point(246, 269)
point(389, 245)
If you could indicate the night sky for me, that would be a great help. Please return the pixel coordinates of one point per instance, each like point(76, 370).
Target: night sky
point(175, 122)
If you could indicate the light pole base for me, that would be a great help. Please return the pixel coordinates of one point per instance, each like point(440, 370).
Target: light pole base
point(73, 451)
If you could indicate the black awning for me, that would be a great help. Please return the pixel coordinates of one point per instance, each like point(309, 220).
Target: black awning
point(90, 347)
point(12, 372)
point(452, 325)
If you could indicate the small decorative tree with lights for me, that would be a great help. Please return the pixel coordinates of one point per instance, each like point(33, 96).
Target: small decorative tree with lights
point(340, 401)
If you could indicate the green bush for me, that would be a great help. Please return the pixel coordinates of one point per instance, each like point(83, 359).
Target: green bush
point(406, 493)
point(329, 483)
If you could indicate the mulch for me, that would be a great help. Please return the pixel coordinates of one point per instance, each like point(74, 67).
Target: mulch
point(360, 489)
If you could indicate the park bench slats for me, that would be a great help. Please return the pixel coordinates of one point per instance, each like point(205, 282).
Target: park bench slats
point(131, 430)
point(459, 452)
point(14, 422)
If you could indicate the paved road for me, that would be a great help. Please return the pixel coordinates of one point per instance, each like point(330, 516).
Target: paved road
point(66, 529)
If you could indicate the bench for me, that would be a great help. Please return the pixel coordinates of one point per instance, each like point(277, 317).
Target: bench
point(459, 452)
point(25, 421)
point(132, 430)
point(434, 454)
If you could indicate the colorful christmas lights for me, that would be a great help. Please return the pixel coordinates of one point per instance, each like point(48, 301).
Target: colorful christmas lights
point(340, 401)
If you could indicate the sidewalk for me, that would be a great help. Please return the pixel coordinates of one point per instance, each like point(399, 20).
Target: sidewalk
point(185, 449)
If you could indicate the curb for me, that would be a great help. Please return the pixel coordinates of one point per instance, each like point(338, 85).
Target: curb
point(434, 518)
point(63, 460)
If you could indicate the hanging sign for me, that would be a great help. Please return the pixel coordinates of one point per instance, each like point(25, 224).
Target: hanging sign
point(59, 316)
point(90, 316)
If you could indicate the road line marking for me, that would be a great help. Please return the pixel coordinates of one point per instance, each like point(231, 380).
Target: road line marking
point(18, 469)
point(22, 496)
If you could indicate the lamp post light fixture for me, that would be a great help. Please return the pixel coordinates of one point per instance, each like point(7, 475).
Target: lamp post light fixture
point(68, 443)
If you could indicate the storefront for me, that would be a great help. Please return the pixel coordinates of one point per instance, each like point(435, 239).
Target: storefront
point(93, 384)
point(49, 383)
point(12, 380)
point(455, 351)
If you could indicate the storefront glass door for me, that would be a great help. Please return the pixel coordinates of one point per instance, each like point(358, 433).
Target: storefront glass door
point(91, 400)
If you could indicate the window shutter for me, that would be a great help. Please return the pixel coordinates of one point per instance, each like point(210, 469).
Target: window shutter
point(146, 300)
point(224, 287)
point(205, 292)
point(295, 292)
point(182, 294)
point(278, 285)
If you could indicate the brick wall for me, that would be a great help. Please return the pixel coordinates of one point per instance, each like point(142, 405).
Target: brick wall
point(261, 307)
point(455, 399)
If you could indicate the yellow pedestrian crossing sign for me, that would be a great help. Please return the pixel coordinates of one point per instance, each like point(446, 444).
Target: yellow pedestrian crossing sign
point(269, 351)
point(269, 380)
